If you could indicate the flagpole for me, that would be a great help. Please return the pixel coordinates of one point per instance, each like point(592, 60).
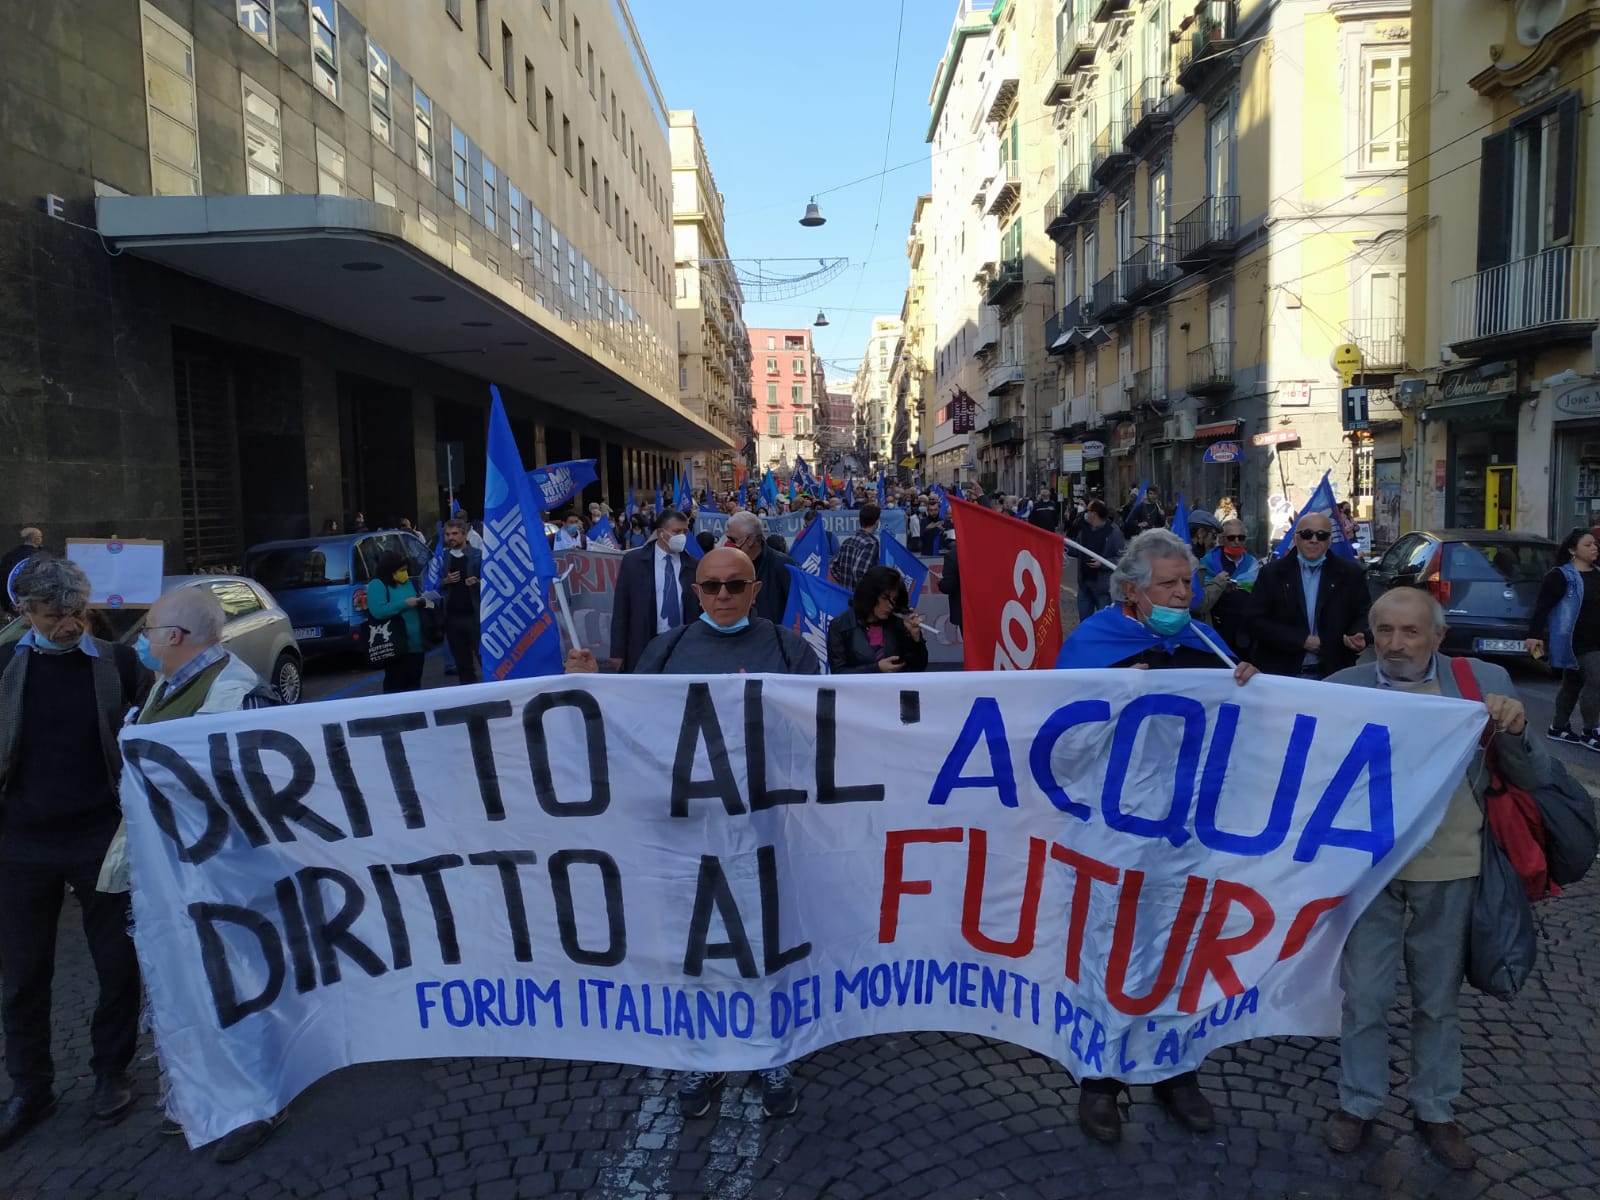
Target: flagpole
point(1212, 646)
point(560, 589)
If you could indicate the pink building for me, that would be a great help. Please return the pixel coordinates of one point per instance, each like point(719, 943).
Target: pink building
point(783, 410)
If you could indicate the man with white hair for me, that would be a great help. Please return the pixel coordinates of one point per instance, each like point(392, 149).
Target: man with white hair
point(1424, 912)
point(747, 532)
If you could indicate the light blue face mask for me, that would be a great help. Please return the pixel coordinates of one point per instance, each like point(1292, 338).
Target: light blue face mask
point(1167, 621)
point(142, 648)
point(742, 623)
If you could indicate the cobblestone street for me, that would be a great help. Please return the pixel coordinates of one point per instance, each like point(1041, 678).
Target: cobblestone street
point(924, 1115)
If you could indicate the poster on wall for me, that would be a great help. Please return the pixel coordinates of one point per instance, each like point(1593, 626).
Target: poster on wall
point(1385, 501)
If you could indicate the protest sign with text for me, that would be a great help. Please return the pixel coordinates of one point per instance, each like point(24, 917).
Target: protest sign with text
point(1122, 870)
point(840, 522)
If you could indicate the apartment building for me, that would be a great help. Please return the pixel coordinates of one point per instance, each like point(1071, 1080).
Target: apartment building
point(1222, 225)
point(917, 317)
point(840, 441)
point(1505, 248)
point(872, 395)
point(784, 373)
point(263, 259)
point(713, 343)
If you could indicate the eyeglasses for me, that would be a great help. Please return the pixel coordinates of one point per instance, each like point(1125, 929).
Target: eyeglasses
point(713, 587)
point(179, 628)
point(1233, 537)
point(1313, 535)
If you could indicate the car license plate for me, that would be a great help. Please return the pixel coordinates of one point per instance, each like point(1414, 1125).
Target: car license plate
point(310, 631)
point(1498, 646)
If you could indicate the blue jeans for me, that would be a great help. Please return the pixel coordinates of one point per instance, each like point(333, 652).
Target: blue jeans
point(1435, 947)
point(1093, 594)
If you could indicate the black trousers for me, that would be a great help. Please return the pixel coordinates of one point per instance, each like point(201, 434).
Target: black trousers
point(461, 632)
point(1112, 1085)
point(30, 911)
point(402, 673)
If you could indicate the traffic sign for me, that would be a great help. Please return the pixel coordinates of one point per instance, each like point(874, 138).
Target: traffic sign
point(1353, 409)
point(1347, 361)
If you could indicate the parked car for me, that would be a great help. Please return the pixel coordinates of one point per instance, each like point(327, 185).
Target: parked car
point(1486, 580)
point(321, 581)
point(257, 628)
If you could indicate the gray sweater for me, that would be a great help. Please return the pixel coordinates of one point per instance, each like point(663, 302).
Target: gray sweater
point(697, 649)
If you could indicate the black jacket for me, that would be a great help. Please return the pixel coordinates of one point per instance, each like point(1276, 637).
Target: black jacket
point(633, 604)
point(849, 652)
point(774, 598)
point(950, 583)
point(1277, 616)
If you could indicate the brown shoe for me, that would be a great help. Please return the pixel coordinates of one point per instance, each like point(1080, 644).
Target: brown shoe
point(1187, 1104)
point(1448, 1144)
point(1098, 1116)
point(1345, 1132)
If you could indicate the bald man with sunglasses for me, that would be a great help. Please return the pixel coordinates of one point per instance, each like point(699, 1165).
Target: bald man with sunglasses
point(1308, 610)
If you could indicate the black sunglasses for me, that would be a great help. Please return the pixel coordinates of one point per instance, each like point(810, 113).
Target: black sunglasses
point(1313, 535)
point(736, 587)
point(1233, 537)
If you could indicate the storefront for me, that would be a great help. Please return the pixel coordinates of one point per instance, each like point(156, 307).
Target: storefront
point(1575, 496)
point(1124, 471)
point(1478, 407)
point(1220, 463)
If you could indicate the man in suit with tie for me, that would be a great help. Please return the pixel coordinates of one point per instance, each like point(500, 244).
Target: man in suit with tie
point(1308, 611)
point(655, 591)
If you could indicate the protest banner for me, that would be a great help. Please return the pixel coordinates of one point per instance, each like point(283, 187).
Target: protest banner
point(1122, 870)
point(840, 522)
point(1011, 590)
point(123, 572)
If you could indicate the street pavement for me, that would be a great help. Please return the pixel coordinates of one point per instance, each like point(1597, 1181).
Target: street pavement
point(919, 1115)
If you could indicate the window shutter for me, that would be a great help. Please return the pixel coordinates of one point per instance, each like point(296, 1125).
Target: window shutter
point(1494, 201)
point(1563, 218)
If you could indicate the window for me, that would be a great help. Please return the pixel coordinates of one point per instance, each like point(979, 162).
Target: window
point(562, 22)
point(378, 93)
point(772, 366)
point(608, 199)
point(550, 120)
point(170, 106)
point(772, 424)
point(237, 599)
point(263, 141)
point(1527, 201)
point(588, 53)
point(583, 168)
point(616, 123)
point(383, 191)
point(508, 60)
point(772, 343)
point(1220, 167)
point(530, 92)
point(577, 45)
point(772, 393)
point(491, 197)
point(536, 253)
point(1386, 116)
point(424, 134)
point(1158, 360)
point(458, 164)
point(255, 16)
point(514, 202)
point(482, 7)
point(594, 173)
point(798, 367)
point(452, 9)
point(797, 393)
point(566, 144)
point(603, 110)
point(325, 48)
point(330, 166)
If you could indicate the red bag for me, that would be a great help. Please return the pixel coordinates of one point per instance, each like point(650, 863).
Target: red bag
point(1510, 812)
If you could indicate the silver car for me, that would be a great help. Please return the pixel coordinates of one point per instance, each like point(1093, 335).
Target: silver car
point(257, 630)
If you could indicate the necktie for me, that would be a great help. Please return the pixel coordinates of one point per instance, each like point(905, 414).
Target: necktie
point(671, 606)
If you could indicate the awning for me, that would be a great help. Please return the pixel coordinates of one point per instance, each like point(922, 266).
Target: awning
point(377, 273)
point(1216, 429)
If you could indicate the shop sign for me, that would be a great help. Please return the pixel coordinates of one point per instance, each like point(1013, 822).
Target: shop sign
point(1276, 437)
point(1094, 450)
point(1224, 452)
point(1296, 394)
point(1072, 457)
point(1578, 401)
point(1482, 382)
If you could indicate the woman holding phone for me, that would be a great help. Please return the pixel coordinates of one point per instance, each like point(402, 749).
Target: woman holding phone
point(878, 632)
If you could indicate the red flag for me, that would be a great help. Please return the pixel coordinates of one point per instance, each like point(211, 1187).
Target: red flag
point(1010, 590)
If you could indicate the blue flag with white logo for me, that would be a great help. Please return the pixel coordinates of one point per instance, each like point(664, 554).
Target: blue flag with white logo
point(1323, 501)
point(559, 482)
point(892, 554)
point(682, 496)
point(813, 604)
point(810, 550)
point(601, 534)
point(519, 638)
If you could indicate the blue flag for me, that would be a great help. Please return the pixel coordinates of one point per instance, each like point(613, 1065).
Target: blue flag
point(559, 482)
point(632, 508)
point(1322, 501)
point(519, 638)
point(944, 503)
point(883, 492)
point(658, 501)
point(601, 533)
point(769, 489)
point(1111, 636)
point(435, 571)
point(813, 604)
point(810, 550)
point(892, 554)
point(744, 493)
point(682, 496)
point(1144, 486)
point(691, 547)
point(1180, 519)
point(850, 491)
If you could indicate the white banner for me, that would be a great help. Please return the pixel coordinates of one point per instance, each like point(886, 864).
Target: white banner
point(1122, 870)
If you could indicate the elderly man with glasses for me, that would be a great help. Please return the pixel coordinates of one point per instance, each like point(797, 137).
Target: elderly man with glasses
point(726, 640)
point(747, 532)
point(1308, 610)
point(63, 697)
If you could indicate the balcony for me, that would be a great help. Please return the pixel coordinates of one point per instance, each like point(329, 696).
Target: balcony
point(1081, 409)
point(1075, 52)
point(1106, 9)
point(1382, 341)
point(1005, 187)
point(1002, 378)
point(1076, 196)
point(1205, 53)
point(1547, 297)
point(1110, 153)
point(1058, 327)
point(1005, 433)
point(1110, 301)
point(1211, 370)
point(1148, 270)
point(1148, 114)
point(1208, 232)
point(1006, 284)
point(1005, 95)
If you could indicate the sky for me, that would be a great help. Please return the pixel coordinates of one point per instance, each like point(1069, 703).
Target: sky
point(795, 99)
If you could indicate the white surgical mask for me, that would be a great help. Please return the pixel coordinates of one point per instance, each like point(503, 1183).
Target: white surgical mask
point(677, 542)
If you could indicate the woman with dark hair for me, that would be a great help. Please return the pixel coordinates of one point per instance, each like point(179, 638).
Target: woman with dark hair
point(638, 532)
point(878, 632)
point(1566, 622)
point(391, 593)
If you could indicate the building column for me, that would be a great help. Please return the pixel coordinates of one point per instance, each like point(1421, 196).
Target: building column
point(425, 453)
point(323, 449)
